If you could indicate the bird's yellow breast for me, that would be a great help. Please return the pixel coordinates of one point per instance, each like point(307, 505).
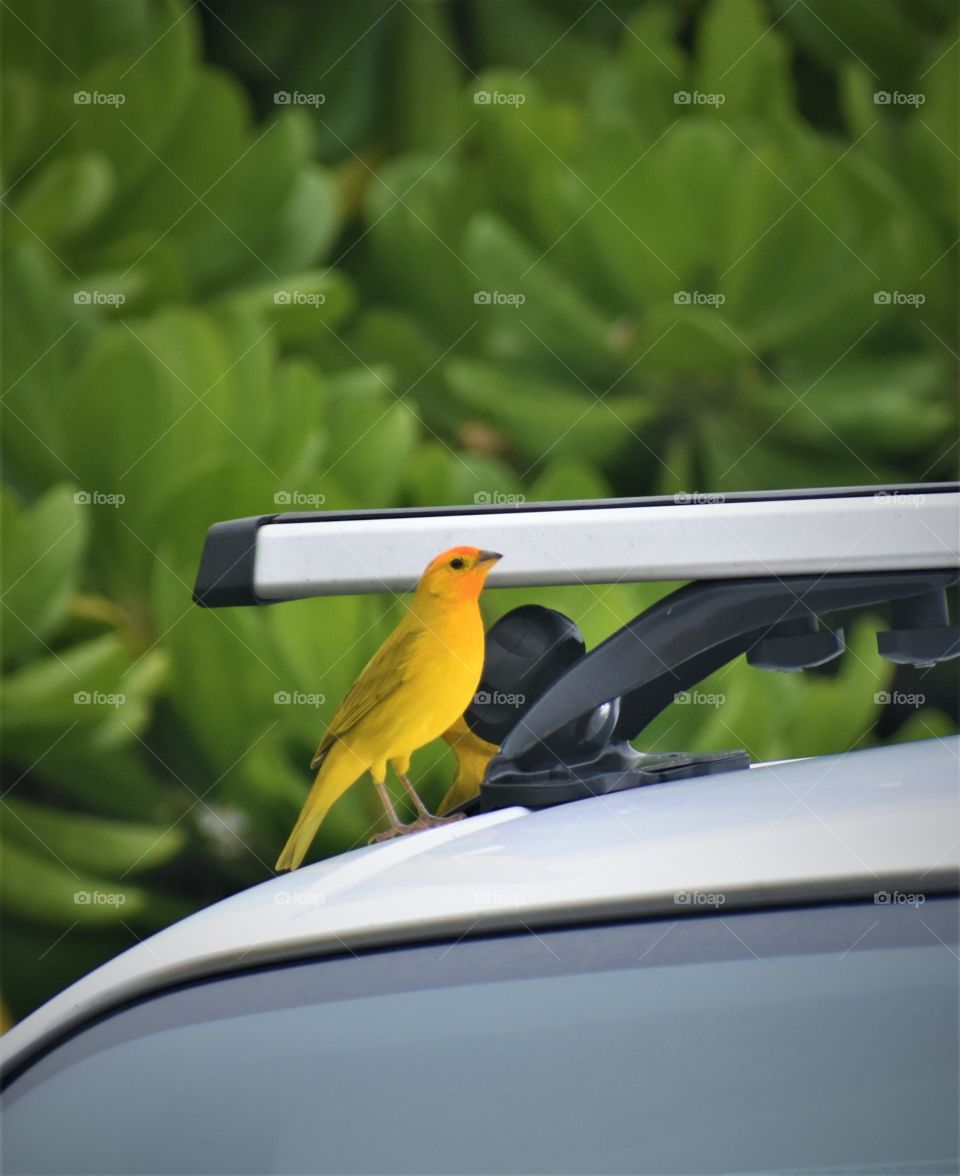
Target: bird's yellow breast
point(439, 682)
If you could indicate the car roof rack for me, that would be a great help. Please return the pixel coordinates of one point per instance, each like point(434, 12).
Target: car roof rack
point(270, 558)
point(769, 571)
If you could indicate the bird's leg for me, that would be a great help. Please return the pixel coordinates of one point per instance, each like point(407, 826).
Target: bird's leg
point(396, 826)
point(425, 818)
point(418, 804)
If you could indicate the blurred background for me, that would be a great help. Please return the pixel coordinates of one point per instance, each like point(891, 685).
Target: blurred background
point(302, 255)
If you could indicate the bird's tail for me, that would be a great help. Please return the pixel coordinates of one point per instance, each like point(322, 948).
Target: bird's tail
point(473, 754)
point(340, 768)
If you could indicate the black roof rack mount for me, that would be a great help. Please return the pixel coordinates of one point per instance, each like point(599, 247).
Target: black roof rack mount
point(571, 740)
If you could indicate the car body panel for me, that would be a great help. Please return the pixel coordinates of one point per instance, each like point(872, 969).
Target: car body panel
point(823, 829)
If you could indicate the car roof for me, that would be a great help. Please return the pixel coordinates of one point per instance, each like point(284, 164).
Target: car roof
point(829, 828)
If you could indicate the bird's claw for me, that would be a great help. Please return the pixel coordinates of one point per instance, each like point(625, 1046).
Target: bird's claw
point(417, 826)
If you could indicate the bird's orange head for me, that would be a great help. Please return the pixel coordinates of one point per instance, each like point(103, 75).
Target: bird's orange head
point(458, 574)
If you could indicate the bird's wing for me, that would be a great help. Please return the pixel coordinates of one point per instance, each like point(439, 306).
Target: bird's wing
point(381, 676)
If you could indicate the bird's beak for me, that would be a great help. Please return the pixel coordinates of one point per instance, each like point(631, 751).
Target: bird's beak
point(488, 557)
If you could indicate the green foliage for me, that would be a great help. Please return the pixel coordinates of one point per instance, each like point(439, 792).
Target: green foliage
point(267, 257)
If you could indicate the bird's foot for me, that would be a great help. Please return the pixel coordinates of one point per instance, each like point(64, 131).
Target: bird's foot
point(418, 826)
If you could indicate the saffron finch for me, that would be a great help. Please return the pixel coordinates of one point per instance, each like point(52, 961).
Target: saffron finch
point(414, 688)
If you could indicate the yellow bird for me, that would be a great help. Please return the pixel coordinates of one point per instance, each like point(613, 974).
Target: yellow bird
point(414, 687)
point(473, 754)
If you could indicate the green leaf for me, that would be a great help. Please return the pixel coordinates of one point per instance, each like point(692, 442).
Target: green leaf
point(221, 680)
point(526, 34)
point(927, 723)
point(579, 424)
point(525, 144)
point(244, 201)
point(39, 566)
point(425, 79)
point(305, 226)
point(743, 60)
point(367, 421)
point(342, 53)
point(415, 214)
point(879, 32)
point(529, 310)
point(38, 888)
point(302, 308)
point(19, 115)
point(666, 202)
point(66, 197)
point(684, 340)
point(569, 480)
point(130, 784)
point(92, 843)
point(94, 684)
point(395, 340)
point(43, 340)
point(208, 491)
point(887, 407)
point(653, 68)
point(134, 132)
point(208, 136)
point(440, 476)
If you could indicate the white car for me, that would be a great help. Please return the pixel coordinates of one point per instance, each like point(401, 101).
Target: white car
point(621, 963)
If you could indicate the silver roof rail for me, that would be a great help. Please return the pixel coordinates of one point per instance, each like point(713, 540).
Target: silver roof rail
point(271, 558)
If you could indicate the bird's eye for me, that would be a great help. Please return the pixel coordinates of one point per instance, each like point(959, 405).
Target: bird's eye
point(457, 563)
